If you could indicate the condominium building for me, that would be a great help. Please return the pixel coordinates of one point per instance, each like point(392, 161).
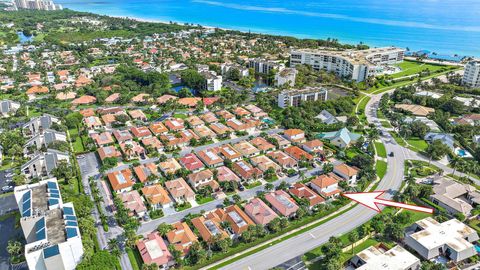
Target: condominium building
point(50, 227)
point(42, 164)
point(264, 66)
point(213, 82)
point(39, 124)
point(471, 77)
point(37, 5)
point(295, 97)
point(356, 65)
point(8, 107)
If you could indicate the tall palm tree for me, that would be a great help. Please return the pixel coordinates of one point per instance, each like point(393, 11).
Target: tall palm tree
point(454, 162)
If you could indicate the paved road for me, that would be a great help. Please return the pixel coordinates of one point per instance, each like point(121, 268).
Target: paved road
point(246, 194)
point(298, 245)
point(89, 167)
point(188, 150)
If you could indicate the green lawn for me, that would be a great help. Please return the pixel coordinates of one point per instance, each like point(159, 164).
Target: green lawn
point(180, 115)
point(385, 124)
point(203, 200)
point(413, 67)
point(398, 139)
point(135, 258)
point(348, 255)
point(380, 148)
point(254, 184)
point(381, 168)
point(418, 144)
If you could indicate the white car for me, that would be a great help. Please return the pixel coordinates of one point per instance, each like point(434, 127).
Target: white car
point(7, 188)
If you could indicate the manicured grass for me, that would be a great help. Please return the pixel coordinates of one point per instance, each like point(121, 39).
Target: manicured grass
point(180, 115)
point(182, 207)
point(398, 139)
point(380, 148)
point(204, 200)
point(418, 143)
point(385, 124)
point(363, 103)
point(349, 254)
point(254, 184)
point(381, 168)
point(413, 67)
point(135, 259)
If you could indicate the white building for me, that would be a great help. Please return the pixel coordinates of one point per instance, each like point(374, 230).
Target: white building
point(50, 227)
point(374, 258)
point(39, 124)
point(213, 82)
point(451, 239)
point(295, 97)
point(356, 65)
point(471, 77)
point(37, 4)
point(44, 139)
point(226, 67)
point(42, 164)
point(264, 66)
point(286, 77)
point(8, 107)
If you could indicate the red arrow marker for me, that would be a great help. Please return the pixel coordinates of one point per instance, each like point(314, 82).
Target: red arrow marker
point(371, 200)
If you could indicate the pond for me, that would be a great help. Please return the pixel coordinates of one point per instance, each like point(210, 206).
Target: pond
point(23, 38)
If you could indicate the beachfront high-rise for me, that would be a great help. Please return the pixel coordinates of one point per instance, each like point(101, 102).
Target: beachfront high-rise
point(50, 227)
point(471, 77)
point(37, 5)
point(356, 65)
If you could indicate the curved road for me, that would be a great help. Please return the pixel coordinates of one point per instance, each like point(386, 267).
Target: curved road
point(299, 245)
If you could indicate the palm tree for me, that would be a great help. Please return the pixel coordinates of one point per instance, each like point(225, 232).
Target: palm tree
point(454, 161)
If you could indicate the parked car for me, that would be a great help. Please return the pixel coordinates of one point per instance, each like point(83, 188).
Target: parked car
point(7, 188)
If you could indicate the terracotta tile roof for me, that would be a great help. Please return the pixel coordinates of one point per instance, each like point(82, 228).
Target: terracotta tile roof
point(140, 132)
point(191, 162)
point(260, 212)
point(179, 188)
point(316, 145)
point(113, 97)
point(246, 149)
point(141, 97)
point(264, 163)
point(158, 128)
point(137, 114)
point(283, 159)
point(224, 174)
point(169, 166)
point(83, 100)
point(262, 144)
point(153, 142)
point(145, 170)
point(225, 114)
point(66, 96)
point(181, 237)
point(102, 138)
point(156, 194)
point(175, 124)
point(246, 171)
point(195, 121)
point(324, 181)
point(122, 135)
point(297, 153)
point(200, 176)
point(346, 170)
point(302, 191)
point(154, 250)
point(37, 90)
point(239, 220)
point(220, 128)
point(163, 99)
point(87, 112)
point(121, 179)
point(228, 152)
point(282, 202)
point(189, 101)
point(108, 151)
point(209, 117)
point(241, 112)
point(210, 100)
point(133, 202)
point(415, 109)
point(204, 132)
point(209, 227)
point(209, 157)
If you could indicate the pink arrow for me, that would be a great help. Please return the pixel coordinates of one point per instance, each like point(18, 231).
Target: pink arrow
point(371, 200)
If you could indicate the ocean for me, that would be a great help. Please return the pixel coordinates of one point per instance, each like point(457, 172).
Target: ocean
point(440, 26)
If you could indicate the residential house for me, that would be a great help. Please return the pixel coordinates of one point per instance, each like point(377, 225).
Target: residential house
point(326, 185)
point(327, 118)
point(224, 114)
point(246, 149)
point(191, 163)
point(204, 132)
point(264, 163)
point(101, 139)
point(451, 239)
point(445, 138)
point(294, 135)
point(455, 197)
point(246, 171)
point(153, 143)
point(210, 158)
point(241, 112)
point(209, 117)
point(108, 152)
point(141, 98)
point(346, 172)
point(133, 203)
point(298, 154)
point(181, 237)
point(158, 128)
point(281, 141)
point(314, 147)
point(220, 129)
point(239, 221)
point(169, 166)
point(303, 192)
point(175, 124)
point(145, 172)
point(381, 257)
point(138, 115)
point(122, 135)
point(194, 121)
point(415, 109)
point(282, 203)
point(224, 174)
point(140, 132)
point(157, 197)
point(262, 144)
point(342, 138)
point(199, 180)
point(84, 100)
point(132, 150)
point(180, 191)
point(93, 122)
point(121, 181)
point(153, 250)
point(283, 160)
point(260, 212)
point(228, 152)
point(209, 227)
